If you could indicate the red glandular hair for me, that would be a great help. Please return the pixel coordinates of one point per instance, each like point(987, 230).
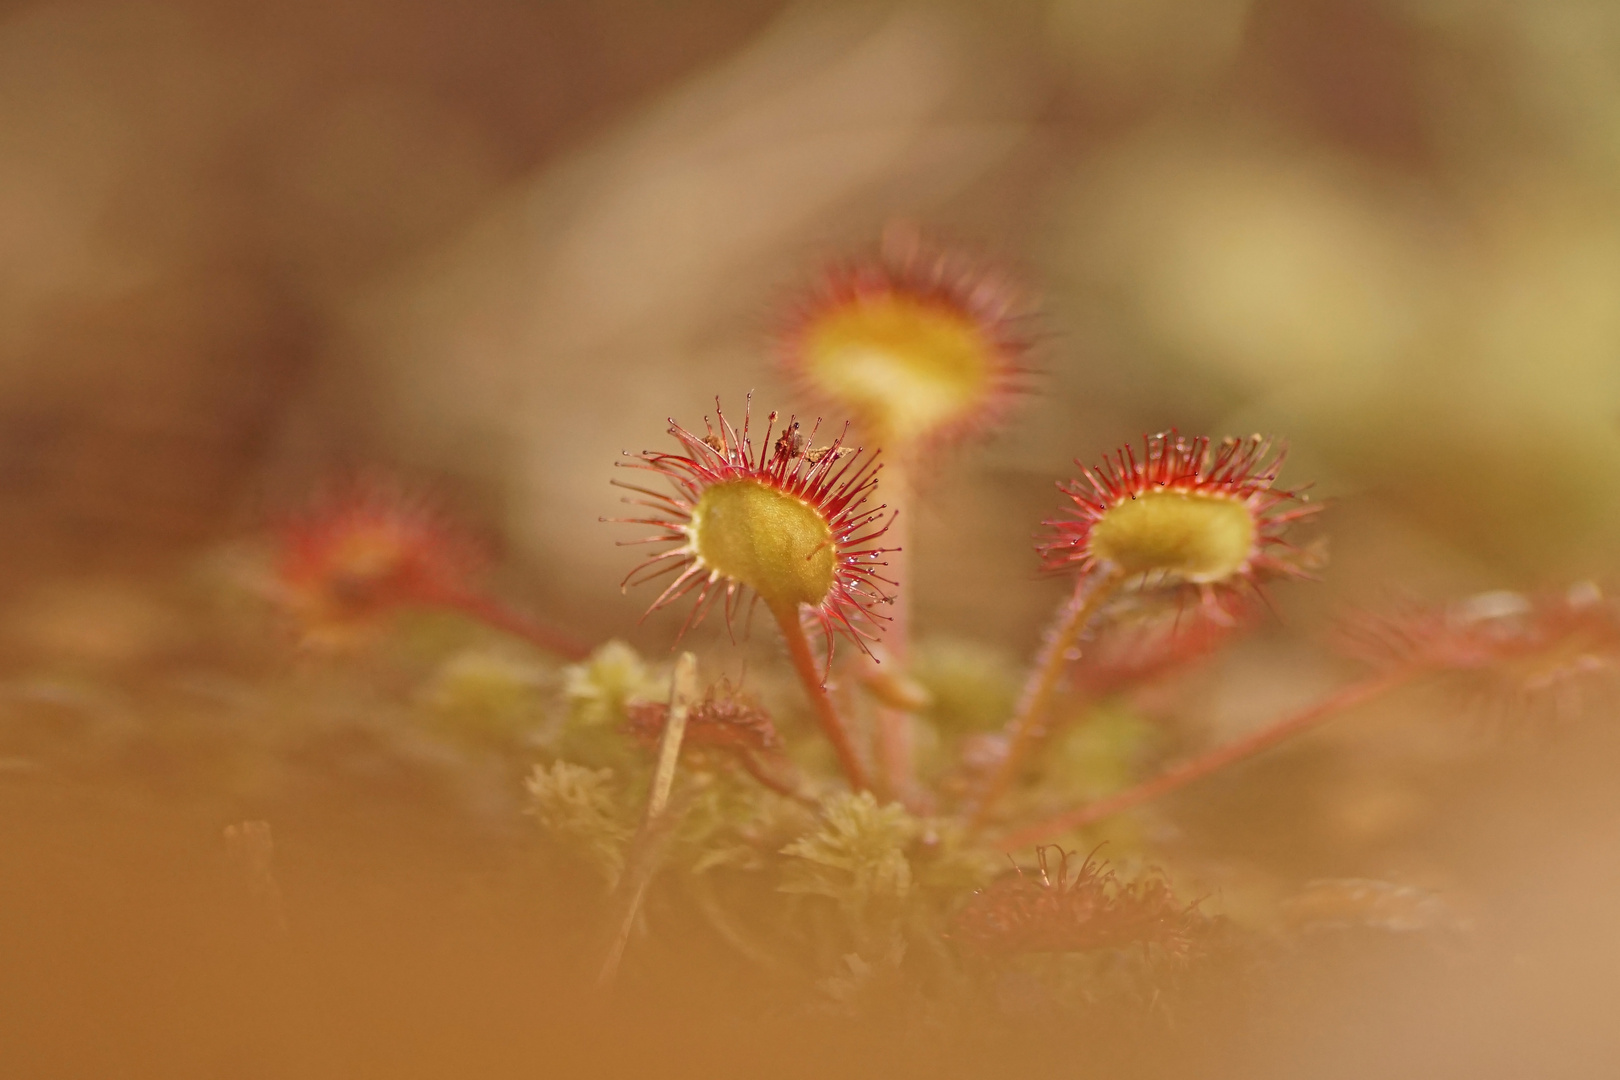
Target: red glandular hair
point(1239, 475)
point(938, 317)
point(367, 549)
point(723, 720)
point(832, 481)
point(1544, 656)
point(1051, 911)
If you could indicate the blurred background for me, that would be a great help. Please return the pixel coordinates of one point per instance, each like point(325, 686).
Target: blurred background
point(244, 248)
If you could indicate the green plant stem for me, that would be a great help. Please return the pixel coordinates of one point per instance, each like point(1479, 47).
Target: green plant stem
point(1029, 719)
point(1213, 761)
point(645, 847)
point(493, 613)
point(832, 725)
point(896, 741)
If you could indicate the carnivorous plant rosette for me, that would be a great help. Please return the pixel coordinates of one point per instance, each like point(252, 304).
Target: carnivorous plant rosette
point(786, 520)
point(919, 344)
point(924, 347)
point(1186, 515)
point(1052, 910)
point(368, 550)
point(363, 552)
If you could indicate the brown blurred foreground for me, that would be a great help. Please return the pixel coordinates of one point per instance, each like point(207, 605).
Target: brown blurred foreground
point(135, 947)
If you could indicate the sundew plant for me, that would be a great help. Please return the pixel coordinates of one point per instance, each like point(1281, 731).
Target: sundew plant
point(868, 824)
point(800, 539)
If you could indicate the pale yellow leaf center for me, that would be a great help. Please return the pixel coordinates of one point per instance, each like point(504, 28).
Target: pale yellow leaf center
point(1193, 537)
point(905, 366)
point(775, 543)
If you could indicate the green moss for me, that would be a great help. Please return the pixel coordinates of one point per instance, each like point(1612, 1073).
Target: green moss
point(1100, 755)
point(597, 689)
point(856, 856)
point(488, 693)
point(581, 808)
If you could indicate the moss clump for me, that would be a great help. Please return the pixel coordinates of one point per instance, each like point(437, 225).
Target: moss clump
point(580, 807)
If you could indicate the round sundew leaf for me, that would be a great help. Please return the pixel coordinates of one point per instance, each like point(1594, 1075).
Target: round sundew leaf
point(923, 344)
point(1193, 537)
point(778, 545)
point(907, 366)
point(1185, 512)
point(791, 521)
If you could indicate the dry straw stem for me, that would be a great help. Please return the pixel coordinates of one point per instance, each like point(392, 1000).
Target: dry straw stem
point(728, 722)
point(646, 847)
point(252, 848)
